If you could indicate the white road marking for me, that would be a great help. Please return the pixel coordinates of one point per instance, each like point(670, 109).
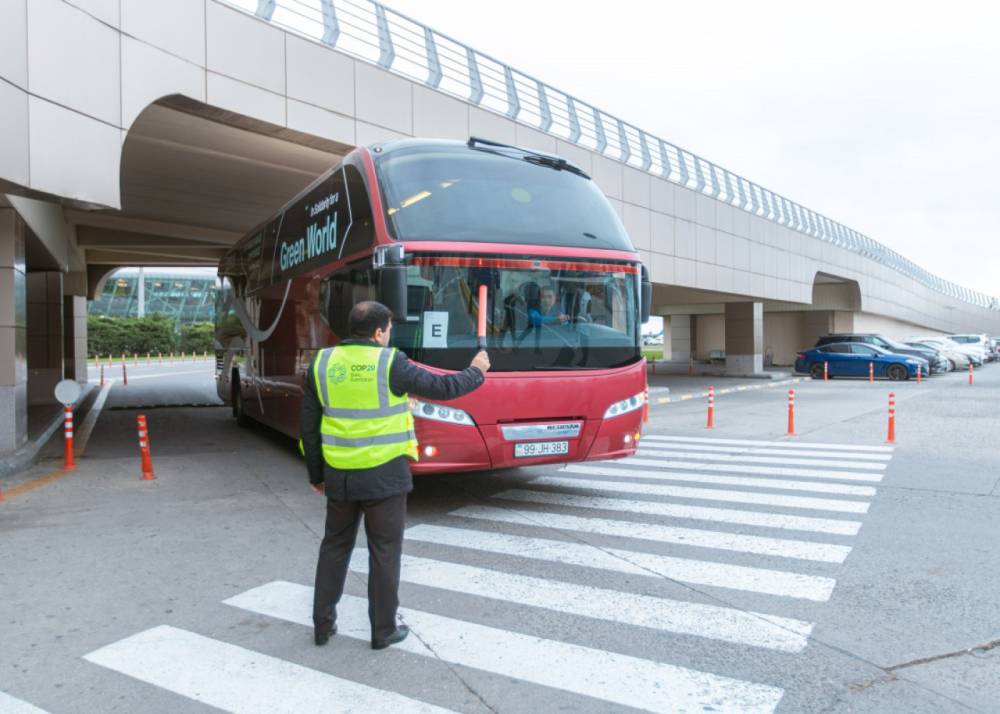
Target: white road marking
point(778, 449)
point(239, 680)
point(709, 621)
point(784, 548)
point(663, 475)
point(90, 421)
point(666, 452)
point(687, 570)
point(170, 374)
point(617, 678)
point(676, 510)
point(706, 494)
point(758, 442)
point(13, 705)
point(767, 470)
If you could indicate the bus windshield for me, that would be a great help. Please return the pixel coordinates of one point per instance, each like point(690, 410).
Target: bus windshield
point(456, 193)
point(541, 314)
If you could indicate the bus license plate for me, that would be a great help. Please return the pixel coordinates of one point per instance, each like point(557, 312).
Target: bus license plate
point(541, 448)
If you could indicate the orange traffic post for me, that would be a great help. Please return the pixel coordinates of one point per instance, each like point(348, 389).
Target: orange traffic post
point(135, 358)
point(124, 374)
point(871, 373)
point(645, 406)
point(826, 371)
point(68, 464)
point(918, 374)
point(891, 439)
point(791, 412)
point(147, 358)
point(710, 424)
point(159, 358)
point(970, 372)
point(147, 460)
point(102, 375)
point(690, 367)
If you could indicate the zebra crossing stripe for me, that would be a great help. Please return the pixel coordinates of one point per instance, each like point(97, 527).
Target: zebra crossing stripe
point(777, 449)
point(687, 570)
point(664, 452)
point(239, 680)
point(663, 475)
point(709, 621)
point(617, 678)
point(780, 547)
point(706, 494)
point(13, 705)
point(758, 442)
point(766, 470)
point(676, 510)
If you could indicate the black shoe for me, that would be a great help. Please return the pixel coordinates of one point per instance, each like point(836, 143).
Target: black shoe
point(323, 636)
point(398, 635)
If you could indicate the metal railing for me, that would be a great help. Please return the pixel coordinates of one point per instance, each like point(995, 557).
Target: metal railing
point(377, 34)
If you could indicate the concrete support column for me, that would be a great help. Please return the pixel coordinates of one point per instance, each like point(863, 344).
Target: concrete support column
point(13, 334)
point(744, 338)
point(823, 322)
point(75, 337)
point(45, 335)
point(681, 338)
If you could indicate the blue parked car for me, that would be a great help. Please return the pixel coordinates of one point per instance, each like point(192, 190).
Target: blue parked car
point(851, 359)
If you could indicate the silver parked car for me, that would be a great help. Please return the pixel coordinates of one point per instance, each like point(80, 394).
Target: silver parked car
point(953, 358)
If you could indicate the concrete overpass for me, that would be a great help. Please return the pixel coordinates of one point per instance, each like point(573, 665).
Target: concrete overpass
point(137, 133)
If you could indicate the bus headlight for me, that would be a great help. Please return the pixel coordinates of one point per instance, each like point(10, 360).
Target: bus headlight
point(439, 412)
point(625, 406)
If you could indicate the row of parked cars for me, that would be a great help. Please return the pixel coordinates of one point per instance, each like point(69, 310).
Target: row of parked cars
point(853, 354)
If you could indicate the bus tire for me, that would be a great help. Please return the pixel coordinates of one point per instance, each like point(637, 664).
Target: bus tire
point(238, 411)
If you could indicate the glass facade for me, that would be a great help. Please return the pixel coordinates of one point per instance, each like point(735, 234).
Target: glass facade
point(184, 294)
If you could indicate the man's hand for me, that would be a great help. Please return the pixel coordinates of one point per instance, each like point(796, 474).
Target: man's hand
point(318, 488)
point(563, 318)
point(481, 362)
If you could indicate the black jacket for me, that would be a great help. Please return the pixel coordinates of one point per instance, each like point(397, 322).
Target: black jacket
point(393, 477)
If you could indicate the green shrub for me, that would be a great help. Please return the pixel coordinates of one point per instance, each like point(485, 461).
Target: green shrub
point(130, 335)
point(197, 337)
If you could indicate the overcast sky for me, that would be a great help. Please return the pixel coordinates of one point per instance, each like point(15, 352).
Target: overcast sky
point(882, 115)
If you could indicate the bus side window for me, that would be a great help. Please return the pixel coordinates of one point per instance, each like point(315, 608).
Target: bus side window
point(361, 233)
point(341, 291)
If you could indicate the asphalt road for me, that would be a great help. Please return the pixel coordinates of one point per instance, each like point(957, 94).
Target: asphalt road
point(736, 569)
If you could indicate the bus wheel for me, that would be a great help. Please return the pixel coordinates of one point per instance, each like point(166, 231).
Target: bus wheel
point(238, 411)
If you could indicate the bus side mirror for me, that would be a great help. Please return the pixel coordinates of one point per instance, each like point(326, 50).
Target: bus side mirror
point(646, 305)
point(392, 290)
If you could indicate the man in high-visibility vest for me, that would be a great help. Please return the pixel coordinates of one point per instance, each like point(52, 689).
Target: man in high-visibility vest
point(357, 439)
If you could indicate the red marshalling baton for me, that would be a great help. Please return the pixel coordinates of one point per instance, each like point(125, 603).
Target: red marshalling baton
point(68, 464)
point(711, 408)
point(791, 412)
point(891, 439)
point(481, 328)
point(147, 461)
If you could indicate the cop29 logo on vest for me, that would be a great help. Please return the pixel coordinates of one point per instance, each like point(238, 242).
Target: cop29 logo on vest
point(339, 373)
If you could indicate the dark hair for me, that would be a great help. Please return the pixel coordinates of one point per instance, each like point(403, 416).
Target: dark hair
point(366, 317)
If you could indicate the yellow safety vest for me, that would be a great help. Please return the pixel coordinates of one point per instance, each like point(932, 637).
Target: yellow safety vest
point(364, 424)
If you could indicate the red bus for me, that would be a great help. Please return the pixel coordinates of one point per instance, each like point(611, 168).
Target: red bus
point(420, 225)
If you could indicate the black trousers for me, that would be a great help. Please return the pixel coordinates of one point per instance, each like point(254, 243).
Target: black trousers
point(384, 522)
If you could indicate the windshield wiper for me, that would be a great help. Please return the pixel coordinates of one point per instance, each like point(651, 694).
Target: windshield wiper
point(553, 162)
